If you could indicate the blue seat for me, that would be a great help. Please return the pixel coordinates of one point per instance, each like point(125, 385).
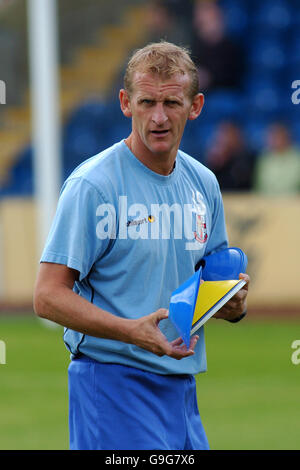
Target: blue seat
point(295, 130)
point(267, 54)
point(191, 141)
point(20, 177)
point(265, 103)
point(235, 16)
point(82, 142)
point(223, 104)
point(92, 127)
point(274, 14)
point(119, 130)
point(293, 57)
point(196, 137)
point(90, 110)
point(255, 133)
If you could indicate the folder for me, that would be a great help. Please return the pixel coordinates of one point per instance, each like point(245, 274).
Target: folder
point(194, 301)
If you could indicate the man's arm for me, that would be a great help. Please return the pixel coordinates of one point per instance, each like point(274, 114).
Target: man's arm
point(55, 300)
point(234, 309)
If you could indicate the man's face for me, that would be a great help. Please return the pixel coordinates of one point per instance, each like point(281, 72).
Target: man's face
point(159, 109)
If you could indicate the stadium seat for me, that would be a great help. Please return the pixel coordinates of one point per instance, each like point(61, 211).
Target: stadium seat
point(196, 138)
point(295, 130)
point(236, 17)
point(293, 57)
point(264, 102)
point(20, 177)
point(190, 142)
point(90, 129)
point(273, 14)
point(223, 104)
point(267, 54)
point(255, 133)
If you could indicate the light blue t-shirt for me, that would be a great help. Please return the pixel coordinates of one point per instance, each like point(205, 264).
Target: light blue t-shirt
point(135, 236)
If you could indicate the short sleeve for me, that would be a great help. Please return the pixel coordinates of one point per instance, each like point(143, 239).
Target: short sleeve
point(74, 239)
point(218, 239)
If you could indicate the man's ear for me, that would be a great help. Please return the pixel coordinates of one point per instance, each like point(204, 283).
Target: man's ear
point(125, 103)
point(197, 105)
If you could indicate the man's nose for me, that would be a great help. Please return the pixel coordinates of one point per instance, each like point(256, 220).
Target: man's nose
point(159, 116)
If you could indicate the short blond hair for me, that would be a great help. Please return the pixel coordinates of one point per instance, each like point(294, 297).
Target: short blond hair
point(165, 59)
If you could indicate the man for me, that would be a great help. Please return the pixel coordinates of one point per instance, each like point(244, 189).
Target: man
point(123, 238)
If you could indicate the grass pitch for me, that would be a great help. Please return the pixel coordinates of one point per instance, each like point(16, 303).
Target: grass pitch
point(248, 398)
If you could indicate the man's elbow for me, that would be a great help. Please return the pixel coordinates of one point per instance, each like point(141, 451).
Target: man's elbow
point(41, 302)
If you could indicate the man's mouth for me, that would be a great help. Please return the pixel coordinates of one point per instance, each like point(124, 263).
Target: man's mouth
point(160, 133)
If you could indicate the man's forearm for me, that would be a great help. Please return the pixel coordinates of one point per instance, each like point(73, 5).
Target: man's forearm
point(63, 306)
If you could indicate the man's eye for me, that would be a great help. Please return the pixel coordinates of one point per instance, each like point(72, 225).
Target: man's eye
point(171, 102)
point(147, 101)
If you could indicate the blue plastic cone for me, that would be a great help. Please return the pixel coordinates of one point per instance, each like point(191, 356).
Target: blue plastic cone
point(182, 306)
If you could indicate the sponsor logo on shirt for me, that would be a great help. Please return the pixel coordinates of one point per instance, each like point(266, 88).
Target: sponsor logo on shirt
point(145, 220)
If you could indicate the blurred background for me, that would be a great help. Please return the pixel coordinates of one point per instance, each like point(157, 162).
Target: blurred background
point(248, 56)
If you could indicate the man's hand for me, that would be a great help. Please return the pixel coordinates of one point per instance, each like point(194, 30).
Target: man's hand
point(146, 334)
point(237, 304)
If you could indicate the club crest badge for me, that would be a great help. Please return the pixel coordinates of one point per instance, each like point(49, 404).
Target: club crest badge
point(201, 229)
point(200, 213)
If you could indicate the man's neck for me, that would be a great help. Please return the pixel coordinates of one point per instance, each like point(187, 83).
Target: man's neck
point(160, 163)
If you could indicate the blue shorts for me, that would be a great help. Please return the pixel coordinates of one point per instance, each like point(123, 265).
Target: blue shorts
point(115, 407)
